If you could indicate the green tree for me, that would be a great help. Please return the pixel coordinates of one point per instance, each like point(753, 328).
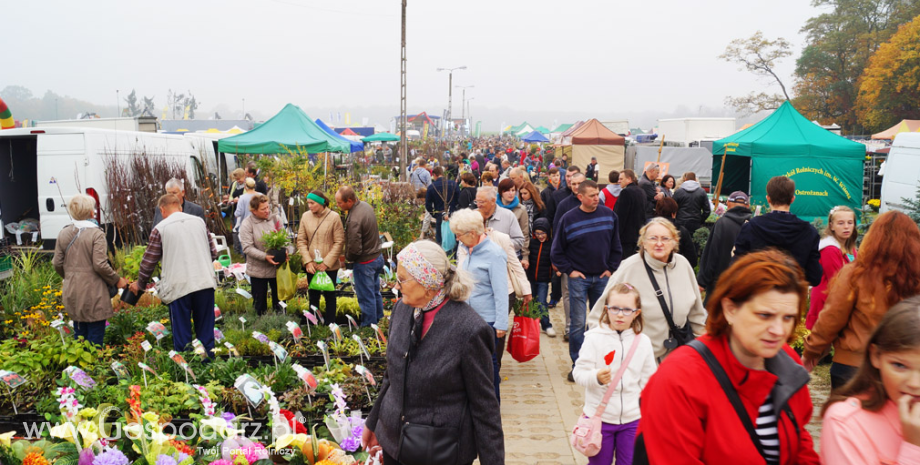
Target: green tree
point(837, 49)
point(890, 87)
point(759, 56)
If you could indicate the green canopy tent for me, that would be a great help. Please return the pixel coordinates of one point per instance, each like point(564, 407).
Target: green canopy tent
point(290, 131)
point(381, 137)
point(827, 169)
point(542, 130)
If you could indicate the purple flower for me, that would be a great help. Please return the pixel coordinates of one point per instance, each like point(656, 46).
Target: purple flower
point(228, 417)
point(181, 456)
point(351, 444)
point(164, 459)
point(86, 457)
point(111, 457)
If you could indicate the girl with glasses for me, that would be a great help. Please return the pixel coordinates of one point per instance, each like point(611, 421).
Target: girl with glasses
point(603, 351)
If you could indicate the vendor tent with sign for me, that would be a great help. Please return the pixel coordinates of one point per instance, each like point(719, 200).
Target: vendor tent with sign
point(593, 139)
point(289, 132)
point(827, 168)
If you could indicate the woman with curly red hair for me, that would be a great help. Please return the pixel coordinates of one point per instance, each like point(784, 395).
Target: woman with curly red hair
point(703, 402)
point(886, 271)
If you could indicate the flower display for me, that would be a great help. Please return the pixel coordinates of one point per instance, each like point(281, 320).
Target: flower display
point(164, 459)
point(34, 458)
point(111, 457)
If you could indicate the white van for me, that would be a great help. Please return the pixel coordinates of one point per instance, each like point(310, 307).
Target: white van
point(41, 169)
point(902, 172)
point(218, 164)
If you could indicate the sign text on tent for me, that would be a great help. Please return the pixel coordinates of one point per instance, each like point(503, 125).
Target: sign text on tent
point(821, 172)
point(731, 147)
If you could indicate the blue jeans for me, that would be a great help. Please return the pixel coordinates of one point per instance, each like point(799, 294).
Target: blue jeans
point(581, 290)
point(91, 331)
point(367, 287)
point(198, 307)
point(539, 291)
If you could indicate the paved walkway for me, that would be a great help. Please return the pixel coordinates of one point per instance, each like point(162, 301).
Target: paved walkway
point(539, 406)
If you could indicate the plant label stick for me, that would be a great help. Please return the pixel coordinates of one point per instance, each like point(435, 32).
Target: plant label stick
point(325, 350)
point(336, 332)
point(363, 352)
point(243, 320)
point(379, 334)
point(217, 315)
point(12, 380)
point(295, 330)
point(318, 314)
point(352, 325)
point(231, 348)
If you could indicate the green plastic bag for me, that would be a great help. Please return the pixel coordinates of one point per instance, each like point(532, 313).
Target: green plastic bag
point(322, 282)
point(287, 282)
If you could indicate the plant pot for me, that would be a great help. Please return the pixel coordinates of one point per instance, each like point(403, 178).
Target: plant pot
point(129, 297)
point(278, 255)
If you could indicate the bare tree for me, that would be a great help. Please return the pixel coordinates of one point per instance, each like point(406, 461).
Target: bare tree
point(759, 56)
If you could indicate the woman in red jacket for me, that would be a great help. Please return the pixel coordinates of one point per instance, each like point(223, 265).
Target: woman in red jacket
point(837, 249)
point(687, 417)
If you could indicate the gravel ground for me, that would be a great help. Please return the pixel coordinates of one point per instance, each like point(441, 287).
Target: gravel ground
point(820, 388)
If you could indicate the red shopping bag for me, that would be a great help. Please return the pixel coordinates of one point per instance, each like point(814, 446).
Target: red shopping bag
point(524, 342)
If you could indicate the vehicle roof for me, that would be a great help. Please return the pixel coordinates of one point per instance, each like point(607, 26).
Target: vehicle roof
point(79, 130)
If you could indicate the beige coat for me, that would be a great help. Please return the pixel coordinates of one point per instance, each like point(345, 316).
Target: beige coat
point(324, 232)
point(251, 232)
point(516, 274)
point(524, 220)
point(87, 274)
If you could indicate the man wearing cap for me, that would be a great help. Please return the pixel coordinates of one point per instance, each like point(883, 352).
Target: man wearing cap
point(717, 255)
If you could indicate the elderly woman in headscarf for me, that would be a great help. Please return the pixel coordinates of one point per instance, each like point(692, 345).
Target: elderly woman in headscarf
point(438, 370)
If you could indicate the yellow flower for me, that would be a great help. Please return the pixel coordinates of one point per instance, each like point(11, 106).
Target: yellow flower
point(296, 440)
point(6, 437)
point(64, 431)
point(89, 432)
point(88, 412)
point(151, 417)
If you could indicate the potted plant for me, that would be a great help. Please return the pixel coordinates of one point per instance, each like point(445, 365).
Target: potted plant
point(276, 243)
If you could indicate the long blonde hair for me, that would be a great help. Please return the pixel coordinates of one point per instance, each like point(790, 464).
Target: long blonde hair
point(850, 243)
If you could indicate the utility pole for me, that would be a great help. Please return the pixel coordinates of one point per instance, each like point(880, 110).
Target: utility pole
point(463, 106)
point(450, 97)
point(244, 109)
point(403, 140)
point(117, 104)
point(469, 114)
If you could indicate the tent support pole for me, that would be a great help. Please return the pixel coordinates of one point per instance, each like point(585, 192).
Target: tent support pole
point(715, 200)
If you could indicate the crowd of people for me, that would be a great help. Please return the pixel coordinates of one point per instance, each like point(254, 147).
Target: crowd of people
point(706, 350)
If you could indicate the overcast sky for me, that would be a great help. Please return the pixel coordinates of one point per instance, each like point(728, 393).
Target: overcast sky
point(544, 60)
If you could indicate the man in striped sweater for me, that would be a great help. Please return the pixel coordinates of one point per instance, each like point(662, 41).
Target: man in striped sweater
point(587, 249)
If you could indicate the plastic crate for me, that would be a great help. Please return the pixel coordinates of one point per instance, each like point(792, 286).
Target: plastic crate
point(6, 266)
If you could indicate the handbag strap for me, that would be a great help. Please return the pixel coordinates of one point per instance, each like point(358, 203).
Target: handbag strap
point(75, 236)
point(661, 301)
point(730, 392)
point(616, 378)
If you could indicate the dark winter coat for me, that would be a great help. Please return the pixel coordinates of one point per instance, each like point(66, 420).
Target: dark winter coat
point(651, 190)
point(541, 266)
point(630, 210)
point(788, 233)
point(717, 255)
point(549, 203)
point(467, 197)
point(692, 205)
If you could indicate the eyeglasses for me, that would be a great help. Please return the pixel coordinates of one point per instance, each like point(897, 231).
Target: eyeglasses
point(656, 239)
point(401, 282)
point(624, 310)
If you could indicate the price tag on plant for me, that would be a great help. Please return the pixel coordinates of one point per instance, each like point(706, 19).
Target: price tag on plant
point(352, 324)
point(12, 379)
point(283, 305)
point(260, 337)
point(307, 377)
point(120, 371)
point(145, 367)
point(366, 374)
point(310, 317)
point(278, 351)
point(251, 389)
point(380, 335)
point(146, 346)
point(231, 348)
point(157, 329)
point(198, 347)
point(325, 350)
point(361, 346)
point(243, 293)
point(295, 330)
point(218, 335)
point(80, 377)
point(318, 314)
point(336, 332)
point(176, 357)
point(217, 315)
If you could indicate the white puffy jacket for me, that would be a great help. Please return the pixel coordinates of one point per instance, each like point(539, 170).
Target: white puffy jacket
point(623, 406)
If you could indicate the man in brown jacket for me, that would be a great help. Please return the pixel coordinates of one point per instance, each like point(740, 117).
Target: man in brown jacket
point(362, 251)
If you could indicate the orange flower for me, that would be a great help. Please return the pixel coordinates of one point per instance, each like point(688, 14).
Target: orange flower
point(35, 458)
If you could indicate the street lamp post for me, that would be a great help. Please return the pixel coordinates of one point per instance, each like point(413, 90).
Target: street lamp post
point(469, 114)
point(450, 96)
point(463, 106)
